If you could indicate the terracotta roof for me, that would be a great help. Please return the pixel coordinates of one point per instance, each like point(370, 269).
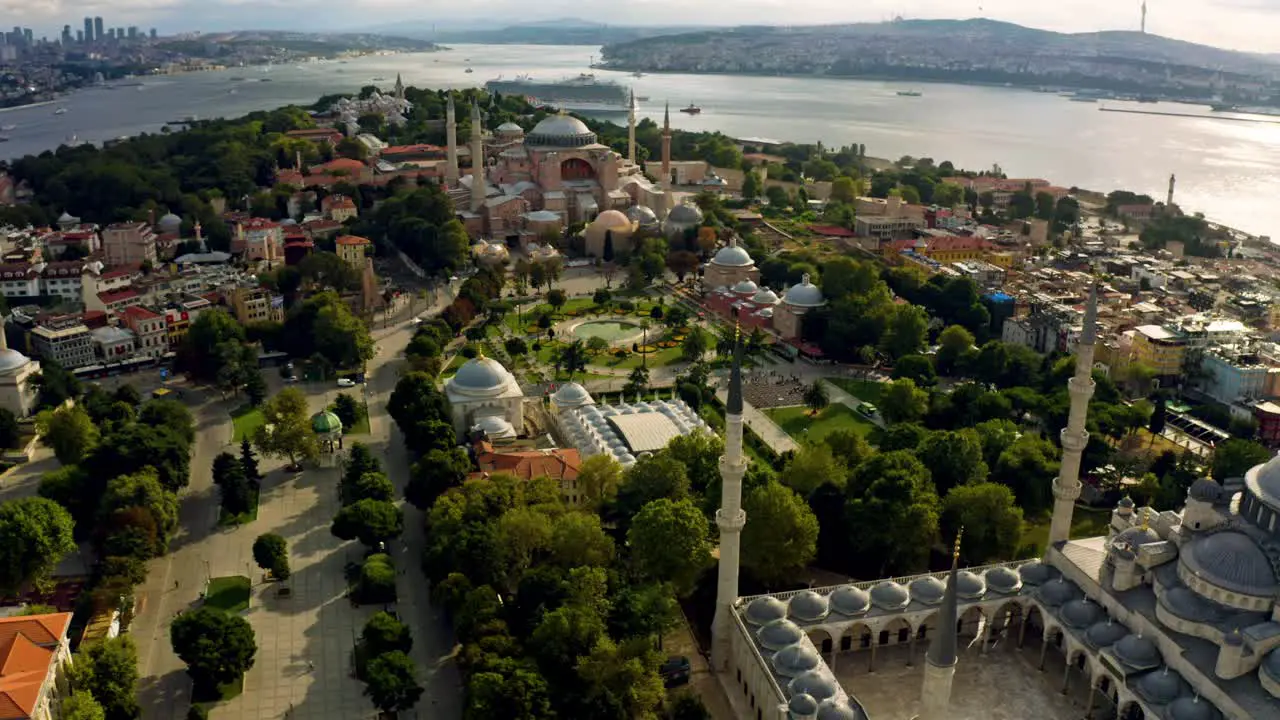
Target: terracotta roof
point(558, 464)
point(112, 296)
point(352, 240)
point(289, 177)
point(346, 164)
point(406, 149)
point(259, 224)
point(832, 231)
point(955, 242)
point(322, 224)
point(27, 645)
point(140, 312)
point(338, 201)
point(118, 272)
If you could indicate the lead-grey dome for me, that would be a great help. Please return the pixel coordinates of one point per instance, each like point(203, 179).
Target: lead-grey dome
point(730, 255)
point(1057, 593)
point(765, 609)
point(1105, 634)
point(796, 659)
point(745, 287)
point(779, 634)
point(481, 376)
point(1080, 613)
point(970, 586)
point(642, 215)
point(802, 705)
point(170, 223)
point(1137, 652)
point(1264, 482)
point(560, 131)
point(1136, 537)
point(571, 394)
point(889, 595)
point(685, 213)
point(850, 600)
point(510, 128)
point(1036, 573)
point(1192, 708)
point(806, 294)
point(927, 590)
point(818, 684)
point(1183, 602)
point(1003, 580)
point(807, 605)
point(1231, 560)
point(1161, 687)
point(1205, 490)
point(1271, 665)
point(837, 709)
point(11, 360)
point(765, 297)
point(1125, 502)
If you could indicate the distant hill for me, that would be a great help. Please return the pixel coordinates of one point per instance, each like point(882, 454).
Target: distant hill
point(978, 50)
point(547, 32)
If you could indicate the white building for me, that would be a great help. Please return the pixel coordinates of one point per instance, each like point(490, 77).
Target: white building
point(482, 393)
point(625, 432)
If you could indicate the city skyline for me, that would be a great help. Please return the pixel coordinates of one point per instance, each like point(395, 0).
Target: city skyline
point(1248, 25)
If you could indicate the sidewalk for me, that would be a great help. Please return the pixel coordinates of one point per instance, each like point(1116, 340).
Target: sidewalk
point(763, 426)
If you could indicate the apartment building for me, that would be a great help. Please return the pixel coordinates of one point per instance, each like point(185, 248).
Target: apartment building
point(34, 650)
point(129, 244)
point(1234, 375)
point(887, 229)
point(352, 248)
point(339, 208)
point(149, 328)
point(64, 340)
point(255, 304)
point(114, 344)
point(1161, 349)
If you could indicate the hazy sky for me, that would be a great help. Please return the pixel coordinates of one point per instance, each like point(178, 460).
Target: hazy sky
point(1240, 24)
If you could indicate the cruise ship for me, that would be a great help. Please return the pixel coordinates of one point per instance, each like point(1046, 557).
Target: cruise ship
point(584, 92)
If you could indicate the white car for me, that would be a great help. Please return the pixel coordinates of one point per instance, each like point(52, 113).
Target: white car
point(346, 382)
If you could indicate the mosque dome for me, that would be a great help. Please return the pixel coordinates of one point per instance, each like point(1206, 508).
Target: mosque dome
point(808, 606)
point(611, 220)
point(1137, 652)
point(730, 255)
point(1205, 490)
point(837, 709)
point(806, 294)
point(927, 590)
point(495, 427)
point(170, 223)
point(802, 705)
point(1080, 613)
point(510, 128)
point(67, 217)
point(1263, 481)
point(560, 131)
point(969, 585)
point(1161, 687)
point(779, 634)
point(12, 361)
point(1056, 593)
point(746, 287)
point(481, 376)
point(1136, 537)
point(850, 600)
point(325, 423)
point(1126, 502)
point(642, 215)
point(685, 213)
point(1231, 560)
point(820, 685)
point(1183, 602)
point(571, 394)
point(1192, 708)
point(1271, 665)
point(765, 297)
point(1105, 634)
point(1036, 573)
point(1003, 580)
point(796, 659)
point(889, 595)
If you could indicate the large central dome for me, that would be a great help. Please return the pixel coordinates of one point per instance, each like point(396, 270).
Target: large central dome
point(1231, 560)
point(562, 131)
point(481, 376)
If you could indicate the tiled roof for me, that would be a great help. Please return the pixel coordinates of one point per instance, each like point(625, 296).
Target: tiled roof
point(352, 240)
point(27, 646)
point(346, 164)
point(140, 312)
point(558, 464)
point(832, 231)
point(112, 296)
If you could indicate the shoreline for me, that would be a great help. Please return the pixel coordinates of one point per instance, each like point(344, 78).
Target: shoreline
point(42, 103)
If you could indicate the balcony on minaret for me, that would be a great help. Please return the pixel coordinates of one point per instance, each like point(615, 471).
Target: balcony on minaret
point(1074, 441)
point(728, 522)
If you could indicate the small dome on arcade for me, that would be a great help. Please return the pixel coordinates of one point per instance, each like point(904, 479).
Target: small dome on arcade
point(806, 294)
point(1137, 652)
point(571, 394)
point(1003, 580)
point(1081, 613)
point(802, 705)
point(850, 600)
point(927, 590)
point(1036, 573)
point(1057, 593)
point(1161, 687)
point(1105, 634)
point(808, 606)
point(970, 586)
point(889, 595)
point(796, 659)
point(779, 634)
point(838, 709)
point(818, 684)
point(1192, 708)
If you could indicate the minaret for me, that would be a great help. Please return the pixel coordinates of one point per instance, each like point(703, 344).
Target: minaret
point(477, 160)
point(666, 145)
point(451, 138)
point(1168, 203)
point(1066, 487)
point(940, 661)
point(399, 87)
point(730, 518)
point(1144, 17)
point(631, 128)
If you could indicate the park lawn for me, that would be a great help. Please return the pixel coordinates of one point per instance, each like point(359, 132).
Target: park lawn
point(246, 421)
point(453, 366)
point(799, 424)
point(229, 593)
point(362, 426)
point(864, 390)
point(1085, 523)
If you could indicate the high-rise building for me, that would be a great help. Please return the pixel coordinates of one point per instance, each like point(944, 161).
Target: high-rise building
point(119, 33)
point(133, 32)
point(153, 33)
point(80, 37)
point(27, 37)
point(88, 29)
point(97, 29)
point(111, 34)
point(66, 34)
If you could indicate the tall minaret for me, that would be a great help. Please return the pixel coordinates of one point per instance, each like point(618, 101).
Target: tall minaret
point(666, 145)
point(940, 661)
point(730, 518)
point(451, 138)
point(631, 128)
point(1168, 203)
point(477, 159)
point(1144, 17)
point(399, 87)
point(1066, 487)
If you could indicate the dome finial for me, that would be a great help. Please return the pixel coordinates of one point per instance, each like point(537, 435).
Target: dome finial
point(804, 279)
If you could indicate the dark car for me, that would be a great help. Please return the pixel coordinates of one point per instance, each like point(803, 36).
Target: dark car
point(675, 671)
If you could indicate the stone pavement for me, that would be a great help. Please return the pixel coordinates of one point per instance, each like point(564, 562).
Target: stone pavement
point(763, 426)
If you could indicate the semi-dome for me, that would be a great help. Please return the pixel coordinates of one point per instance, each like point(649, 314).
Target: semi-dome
point(850, 600)
point(927, 590)
point(731, 256)
point(1192, 708)
point(611, 220)
point(481, 376)
point(642, 215)
point(11, 361)
point(765, 297)
point(820, 685)
point(1231, 560)
point(1057, 593)
point(571, 394)
point(325, 423)
point(1105, 634)
point(1264, 482)
point(806, 294)
point(838, 709)
point(779, 634)
point(1036, 573)
point(1137, 652)
point(889, 595)
point(807, 605)
point(495, 427)
point(170, 223)
point(1183, 602)
point(970, 586)
point(802, 705)
point(796, 659)
point(510, 128)
point(1081, 613)
point(746, 287)
point(1205, 490)
point(560, 131)
point(1161, 687)
point(1003, 580)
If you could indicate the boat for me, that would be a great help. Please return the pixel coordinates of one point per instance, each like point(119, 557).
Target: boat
point(1082, 98)
point(642, 98)
point(7, 128)
point(470, 70)
point(637, 74)
point(909, 93)
point(237, 78)
point(583, 92)
point(60, 111)
point(378, 79)
point(265, 80)
point(691, 110)
point(4, 138)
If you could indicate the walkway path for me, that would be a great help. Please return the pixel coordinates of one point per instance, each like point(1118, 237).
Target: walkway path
point(838, 394)
point(763, 426)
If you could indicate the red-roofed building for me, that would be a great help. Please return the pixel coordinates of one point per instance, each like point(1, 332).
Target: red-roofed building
point(351, 248)
point(116, 300)
point(338, 208)
point(559, 464)
point(149, 327)
point(129, 244)
point(832, 231)
point(947, 249)
point(343, 167)
point(259, 239)
point(19, 280)
point(322, 228)
point(33, 651)
point(295, 251)
point(410, 153)
point(289, 177)
point(327, 135)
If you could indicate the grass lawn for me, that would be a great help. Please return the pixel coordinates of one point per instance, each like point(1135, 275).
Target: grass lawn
point(453, 366)
point(361, 427)
point(799, 424)
point(247, 420)
point(1085, 522)
point(864, 390)
point(229, 593)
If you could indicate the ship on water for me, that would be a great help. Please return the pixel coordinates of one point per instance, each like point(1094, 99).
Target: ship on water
point(584, 93)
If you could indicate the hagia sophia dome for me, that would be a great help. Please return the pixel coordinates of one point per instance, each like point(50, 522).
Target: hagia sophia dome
point(612, 220)
point(563, 131)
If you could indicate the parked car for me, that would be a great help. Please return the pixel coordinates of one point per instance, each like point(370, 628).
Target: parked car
point(675, 671)
point(868, 409)
point(346, 382)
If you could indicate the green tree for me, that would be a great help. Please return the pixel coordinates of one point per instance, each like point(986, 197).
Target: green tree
point(991, 519)
point(69, 431)
point(286, 431)
point(1028, 467)
point(210, 330)
point(1232, 458)
point(271, 552)
point(906, 331)
point(81, 706)
point(384, 633)
point(637, 381)
point(349, 410)
point(377, 583)
point(953, 458)
point(234, 488)
point(901, 401)
point(55, 384)
point(249, 461)
point(255, 387)
point(891, 513)
point(37, 534)
point(812, 466)
point(369, 521)
point(623, 676)
point(578, 540)
point(217, 647)
point(848, 446)
point(422, 413)
point(599, 478)
point(953, 342)
point(10, 433)
point(669, 543)
point(108, 671)
point(142, 490)
point(815, 397)
point(136, 446)
point(995, 437)
point(556, 299)
point(785, 533)
point(694, 346)
point(651, 478)
point(434, 474)
point(844, 189)
point(391, 682)
point(918, 368)
point(169, 414)
point(508, 690)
